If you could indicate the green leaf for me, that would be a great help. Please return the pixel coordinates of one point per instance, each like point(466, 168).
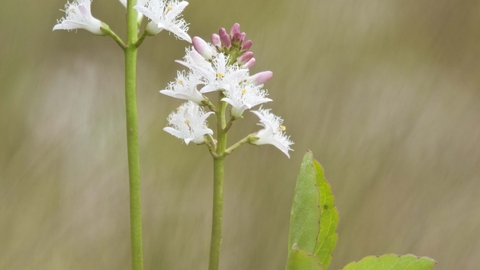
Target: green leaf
point(327, 238)
point(392, 262)
point(299, 259)
point(305, 214)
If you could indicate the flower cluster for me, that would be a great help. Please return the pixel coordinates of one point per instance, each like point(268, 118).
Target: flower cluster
point(163, 15)
point(223, 66)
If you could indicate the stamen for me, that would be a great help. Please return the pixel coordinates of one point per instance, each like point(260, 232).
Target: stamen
point(169, 8)
point(180, 82)
point(244, 91)
point(219, 75)
point(282, 128)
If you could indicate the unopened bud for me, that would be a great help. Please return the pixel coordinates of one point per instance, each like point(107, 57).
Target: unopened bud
point(242, 36)
point(225, 38)
point(260, 78)
point(250, 63)
point(244, 58)
point(202, 48)
point(246, 45)
point(236, 37)
point(216, 40)
point(235, 29)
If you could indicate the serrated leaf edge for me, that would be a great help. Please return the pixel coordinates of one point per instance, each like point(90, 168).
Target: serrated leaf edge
point(297, 249)
point(389, 254)
point(334, 206)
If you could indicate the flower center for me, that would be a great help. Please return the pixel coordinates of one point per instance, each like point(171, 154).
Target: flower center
point(219, 75)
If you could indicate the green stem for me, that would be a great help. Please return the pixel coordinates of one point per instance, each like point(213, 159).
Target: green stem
point(132, 137)
point(218, 179)
point(236, 145)
point(229, 124)
point(140, 40)
point(107, 31)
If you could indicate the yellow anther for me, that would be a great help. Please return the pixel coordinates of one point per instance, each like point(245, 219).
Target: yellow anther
point(282, 128)
point(219, 75)
point(169, 8)
point(187, 122)
point(180, 82)
point(244, 91)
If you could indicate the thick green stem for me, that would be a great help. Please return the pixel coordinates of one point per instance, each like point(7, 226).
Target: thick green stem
point(132, 137)
point(218, 179)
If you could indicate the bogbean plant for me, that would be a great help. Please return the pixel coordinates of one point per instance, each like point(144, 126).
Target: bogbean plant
point(222, 68)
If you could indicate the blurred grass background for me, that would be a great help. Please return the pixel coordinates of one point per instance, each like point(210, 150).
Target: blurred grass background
point(385, 93)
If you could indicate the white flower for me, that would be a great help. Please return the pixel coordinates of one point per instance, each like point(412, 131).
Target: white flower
point(222, 75)
point(79, 16)
point(189, 123)
point(139, 3)
point(163, 15)
point(272, 133)
point(245, 96)
point(185, 87)
point(217, 75)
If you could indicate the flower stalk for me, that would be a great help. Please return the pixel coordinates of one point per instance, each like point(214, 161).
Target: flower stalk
point(132, 137)
point(218, 179)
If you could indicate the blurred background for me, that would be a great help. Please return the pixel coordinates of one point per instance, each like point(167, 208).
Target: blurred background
point(385, 93)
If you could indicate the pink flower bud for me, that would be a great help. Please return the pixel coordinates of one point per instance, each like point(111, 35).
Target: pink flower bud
point(235, 29)
point(260, 78)
point(202, 48)
point(236, 37)
point(225, 38)
point(216, 40)
point(246, 45)
point(250, 63)
point(242, 36)
point(244, 58)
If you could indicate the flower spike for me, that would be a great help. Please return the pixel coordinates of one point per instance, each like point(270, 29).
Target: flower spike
point(79, 16)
